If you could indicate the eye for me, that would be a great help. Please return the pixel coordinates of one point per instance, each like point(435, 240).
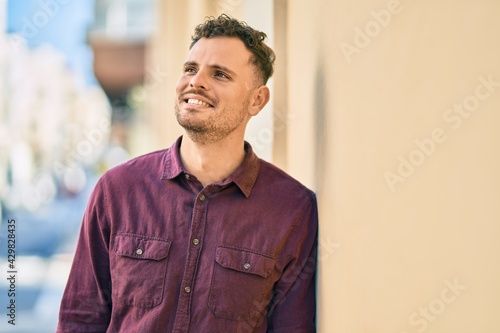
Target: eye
point(189, 70)
point(221, 75)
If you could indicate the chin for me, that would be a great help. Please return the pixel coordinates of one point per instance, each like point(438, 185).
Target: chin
point(191, 125)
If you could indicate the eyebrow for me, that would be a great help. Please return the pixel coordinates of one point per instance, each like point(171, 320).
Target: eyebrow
point(215, 66)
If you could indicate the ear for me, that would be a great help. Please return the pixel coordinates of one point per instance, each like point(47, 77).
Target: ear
point(259, 100)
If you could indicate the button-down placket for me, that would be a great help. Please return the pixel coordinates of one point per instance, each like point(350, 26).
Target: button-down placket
point(197, 233)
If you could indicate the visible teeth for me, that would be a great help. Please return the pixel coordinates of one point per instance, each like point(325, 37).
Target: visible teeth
point(197, 101)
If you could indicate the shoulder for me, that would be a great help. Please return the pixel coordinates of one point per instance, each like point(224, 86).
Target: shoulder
point(148, 165)
point(285, 198)
point(275, 179)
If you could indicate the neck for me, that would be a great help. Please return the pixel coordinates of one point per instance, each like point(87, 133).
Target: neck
point(212, 162)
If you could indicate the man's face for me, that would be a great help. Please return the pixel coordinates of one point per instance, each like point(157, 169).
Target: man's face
point(214, 91)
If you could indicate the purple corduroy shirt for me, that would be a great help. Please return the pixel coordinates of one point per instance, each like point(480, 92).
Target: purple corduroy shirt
point(158, 252)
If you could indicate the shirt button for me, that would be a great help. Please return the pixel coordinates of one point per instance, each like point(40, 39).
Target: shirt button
point(187, 176)
point(187, 289)
point(138, 251)
point(196, 241)
point(202, 197)
point(246, 265)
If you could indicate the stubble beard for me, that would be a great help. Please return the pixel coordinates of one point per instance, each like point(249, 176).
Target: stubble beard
point(213, 129)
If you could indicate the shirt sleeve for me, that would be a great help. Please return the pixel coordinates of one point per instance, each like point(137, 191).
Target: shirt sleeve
point(293, 307)
point(86, 302)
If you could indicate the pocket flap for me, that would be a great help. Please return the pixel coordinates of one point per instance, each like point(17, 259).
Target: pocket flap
point(141, 247)
point(245, 261)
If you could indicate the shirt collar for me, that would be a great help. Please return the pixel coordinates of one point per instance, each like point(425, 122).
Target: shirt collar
point(172, 164)
point(244, 176)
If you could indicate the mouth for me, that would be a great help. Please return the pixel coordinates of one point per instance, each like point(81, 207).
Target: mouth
point(194, 101)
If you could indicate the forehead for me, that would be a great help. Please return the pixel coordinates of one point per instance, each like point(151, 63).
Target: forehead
point(222, 51)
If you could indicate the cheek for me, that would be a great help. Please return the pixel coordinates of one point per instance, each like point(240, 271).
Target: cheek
point(235, 97)
point(181, 85)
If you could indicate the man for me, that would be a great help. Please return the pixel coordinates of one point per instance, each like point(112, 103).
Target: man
point(203, 236)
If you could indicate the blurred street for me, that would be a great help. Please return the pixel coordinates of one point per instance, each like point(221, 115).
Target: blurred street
point(38, 293)
point(45, 243)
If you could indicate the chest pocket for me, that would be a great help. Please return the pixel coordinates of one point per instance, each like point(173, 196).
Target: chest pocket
point(242, 283)
point(138, 269)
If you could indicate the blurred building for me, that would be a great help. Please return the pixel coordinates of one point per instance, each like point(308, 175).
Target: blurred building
point(119, 38)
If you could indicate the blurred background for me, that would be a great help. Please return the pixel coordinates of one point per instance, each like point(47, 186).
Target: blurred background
point(388, 110)
point(68, 72)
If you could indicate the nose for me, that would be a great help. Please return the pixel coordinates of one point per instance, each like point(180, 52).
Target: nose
point(198, 80)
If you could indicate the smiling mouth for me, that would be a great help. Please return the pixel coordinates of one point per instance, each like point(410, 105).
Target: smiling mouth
point(194, 101)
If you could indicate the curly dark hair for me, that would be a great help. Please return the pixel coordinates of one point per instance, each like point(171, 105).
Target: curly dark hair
point(224, 26)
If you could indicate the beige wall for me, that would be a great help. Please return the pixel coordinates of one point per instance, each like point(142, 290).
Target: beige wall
point(407, 178)
point(418, 253)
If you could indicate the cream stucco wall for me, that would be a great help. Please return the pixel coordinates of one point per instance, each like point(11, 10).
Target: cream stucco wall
point(397, 106)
